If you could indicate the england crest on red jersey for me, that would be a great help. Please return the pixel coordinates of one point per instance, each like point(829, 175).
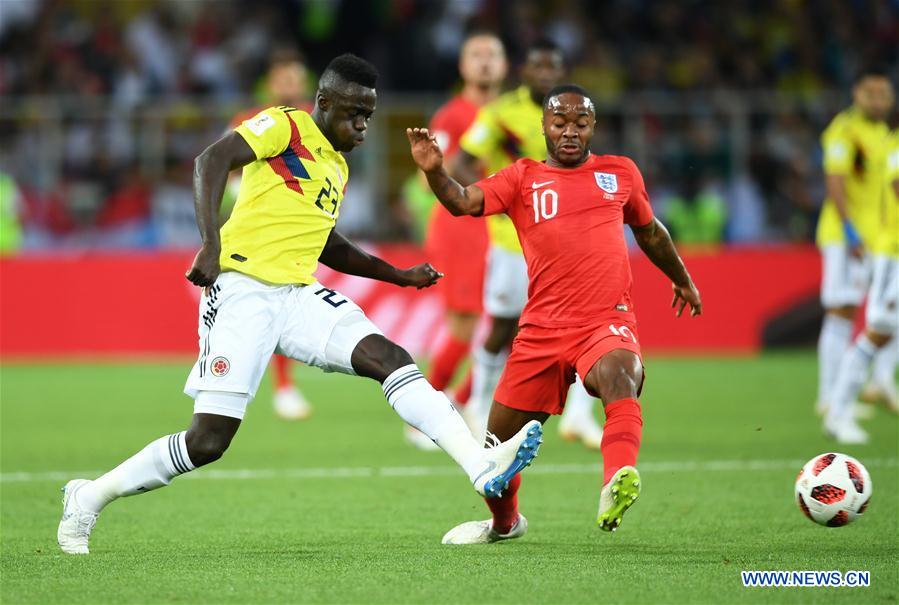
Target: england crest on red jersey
point(606, 181)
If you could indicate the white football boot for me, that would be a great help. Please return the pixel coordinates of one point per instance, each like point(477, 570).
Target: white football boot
point(618, 495)
point(481, 532)
point(845, 430)
point(502, 461)
point(76, 523)
point(291, 405)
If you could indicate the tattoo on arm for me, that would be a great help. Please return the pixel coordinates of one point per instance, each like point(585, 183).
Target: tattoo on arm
point(656, 243)
point(457, 199)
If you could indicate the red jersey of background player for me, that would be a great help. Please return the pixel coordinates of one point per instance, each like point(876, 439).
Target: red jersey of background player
point(570, 223)
point(450, 123)
point(462, 289)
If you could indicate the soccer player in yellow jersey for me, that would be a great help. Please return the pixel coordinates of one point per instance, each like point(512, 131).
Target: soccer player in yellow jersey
point(504, 131)
point(881, 312)
point(260, 296)
point(853, 166)
point(285, 84)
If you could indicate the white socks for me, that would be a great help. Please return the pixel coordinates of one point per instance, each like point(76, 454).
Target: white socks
point(485, 373)
point(884, 373)
point(836, 333)
point(152, 467)
point(850, 378)
point(430, 411)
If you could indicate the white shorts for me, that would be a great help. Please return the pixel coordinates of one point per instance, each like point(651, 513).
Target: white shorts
point(882, 312)
point(845, 279)
point(243, 321)
point(506, 283)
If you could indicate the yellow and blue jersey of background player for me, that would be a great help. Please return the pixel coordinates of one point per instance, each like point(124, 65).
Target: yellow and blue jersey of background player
point(289, 199)
point(888, 240)
point(505, 130)
point(853, 148)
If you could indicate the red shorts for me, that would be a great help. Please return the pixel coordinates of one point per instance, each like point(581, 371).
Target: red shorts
point(457, 247)
point(543, 361)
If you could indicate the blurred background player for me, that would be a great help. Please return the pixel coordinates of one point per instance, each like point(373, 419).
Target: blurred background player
point(504, 131)
point(853, 145)
point(286, 84)
point(881, 313)
point(483, 67)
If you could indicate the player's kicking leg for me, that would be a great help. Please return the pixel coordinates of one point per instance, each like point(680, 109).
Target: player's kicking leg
point(507, 522)
point(420, 405)
point(153, 467)
point(617, 377)
point(329, 331)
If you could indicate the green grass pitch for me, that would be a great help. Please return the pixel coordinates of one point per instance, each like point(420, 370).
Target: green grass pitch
point(339, 509)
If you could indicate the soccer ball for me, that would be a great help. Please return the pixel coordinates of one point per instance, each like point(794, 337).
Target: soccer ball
point(833, 489)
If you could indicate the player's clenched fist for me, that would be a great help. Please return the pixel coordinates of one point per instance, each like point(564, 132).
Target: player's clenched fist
point(206, 267)
point(425, 150)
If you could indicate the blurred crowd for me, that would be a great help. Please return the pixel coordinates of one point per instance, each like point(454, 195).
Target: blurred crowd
point(103, 103)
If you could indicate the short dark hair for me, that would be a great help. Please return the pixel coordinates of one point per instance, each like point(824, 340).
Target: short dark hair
point(561, 89)
point(351, 68)
point(543, 44)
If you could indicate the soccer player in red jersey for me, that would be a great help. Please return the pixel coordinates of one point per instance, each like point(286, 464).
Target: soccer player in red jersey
point(483, 67)
point(286, 85)
point(569, 211)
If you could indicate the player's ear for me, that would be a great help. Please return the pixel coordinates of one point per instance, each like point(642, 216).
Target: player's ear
point(322, 101)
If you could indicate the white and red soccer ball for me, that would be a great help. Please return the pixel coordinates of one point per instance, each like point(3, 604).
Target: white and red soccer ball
point(833, 489)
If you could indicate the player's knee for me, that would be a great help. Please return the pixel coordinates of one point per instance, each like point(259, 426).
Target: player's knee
point(616, 376)
point(377, 357)
point(845, 311)
point(206, 446)
point(878, 339)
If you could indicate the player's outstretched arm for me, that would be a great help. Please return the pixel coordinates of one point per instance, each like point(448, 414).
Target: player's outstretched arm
point(343, 255)
point(654, 240)
point(211, 170)
point(457, 199)
point(466, 168)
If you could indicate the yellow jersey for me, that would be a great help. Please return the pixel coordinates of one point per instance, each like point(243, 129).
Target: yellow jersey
point(505, 130)
point(853, 147)
point(888, 241)
point(289, 199)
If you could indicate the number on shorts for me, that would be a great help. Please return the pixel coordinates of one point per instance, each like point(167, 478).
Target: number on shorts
point(546, 206)
point(329, 297)
point(623, 331)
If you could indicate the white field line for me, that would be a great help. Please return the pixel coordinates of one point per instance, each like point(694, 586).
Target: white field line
point(439, 471)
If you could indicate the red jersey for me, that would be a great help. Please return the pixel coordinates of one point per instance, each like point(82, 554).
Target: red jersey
point(450, 123)
point(570, 223)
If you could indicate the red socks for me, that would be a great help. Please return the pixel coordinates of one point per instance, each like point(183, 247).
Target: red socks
point(505, 509)
point(463, 392)
point(445, 362)
point(621, 436)
point(283, 377)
